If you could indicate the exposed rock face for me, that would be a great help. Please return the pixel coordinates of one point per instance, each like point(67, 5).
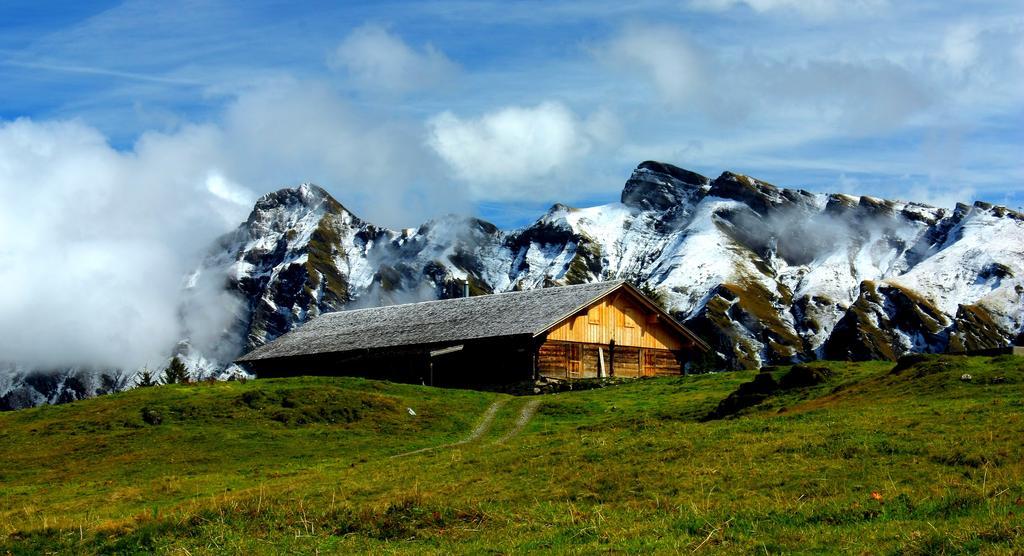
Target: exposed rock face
point(663, 187)
point(974, 328)
point(885, 322)
point(766, 274)
point(21, 388)
point(761, 197)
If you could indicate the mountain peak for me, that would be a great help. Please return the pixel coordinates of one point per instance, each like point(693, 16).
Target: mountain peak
point(306, 196)
point(999, 210)
point(681, 174)
point(759, 195)
point(660, 186)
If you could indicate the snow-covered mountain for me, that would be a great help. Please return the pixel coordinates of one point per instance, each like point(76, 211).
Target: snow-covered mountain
point(767, 275)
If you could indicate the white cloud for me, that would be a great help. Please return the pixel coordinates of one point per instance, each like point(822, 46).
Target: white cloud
point(515, 144)
point(756, 92)
point(95, 242)
point(960, 46)
point(662, 54)
point(378, 165)
point(379, 60)
point(224, 189)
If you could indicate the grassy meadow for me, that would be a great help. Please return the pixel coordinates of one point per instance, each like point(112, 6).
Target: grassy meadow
point(866, 458)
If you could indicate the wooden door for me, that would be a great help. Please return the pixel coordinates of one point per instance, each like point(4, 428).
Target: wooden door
point(648, 362)
point(573, 366)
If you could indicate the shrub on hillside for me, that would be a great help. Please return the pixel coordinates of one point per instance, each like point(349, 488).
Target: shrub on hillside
point(747, 395)
point(802, 376)
point(151, 416)
point(908, 361)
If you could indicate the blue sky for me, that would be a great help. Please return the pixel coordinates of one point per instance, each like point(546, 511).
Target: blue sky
point(407, 110)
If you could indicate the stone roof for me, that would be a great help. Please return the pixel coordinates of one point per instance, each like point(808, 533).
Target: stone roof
point(520, 313)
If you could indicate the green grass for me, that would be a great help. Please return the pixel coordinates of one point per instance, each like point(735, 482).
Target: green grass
point(914, 461)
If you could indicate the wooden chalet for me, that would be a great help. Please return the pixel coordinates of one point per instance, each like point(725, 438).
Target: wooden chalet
point(594, 330)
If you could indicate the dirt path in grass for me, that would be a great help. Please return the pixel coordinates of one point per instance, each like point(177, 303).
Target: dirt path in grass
point(481, 428)
point(529, 408)
point(485, 422)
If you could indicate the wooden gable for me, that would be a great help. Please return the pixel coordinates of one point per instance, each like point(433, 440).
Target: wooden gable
point(620, 316)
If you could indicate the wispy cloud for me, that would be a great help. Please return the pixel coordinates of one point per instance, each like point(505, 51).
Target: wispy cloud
point(816, 9)
point(88, 70)
point(378, 60)
point(664, 55)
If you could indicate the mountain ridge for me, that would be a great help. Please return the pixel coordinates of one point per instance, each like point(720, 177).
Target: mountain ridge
point(761, 293)
point(766, 274)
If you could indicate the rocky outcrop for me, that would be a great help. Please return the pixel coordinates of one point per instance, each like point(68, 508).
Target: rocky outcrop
point(662, 187)
point(975, 329)
point(885, 322)
point(25, 388)
point(759, 196)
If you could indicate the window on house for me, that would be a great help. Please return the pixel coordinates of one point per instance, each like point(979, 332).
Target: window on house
point(629, 318)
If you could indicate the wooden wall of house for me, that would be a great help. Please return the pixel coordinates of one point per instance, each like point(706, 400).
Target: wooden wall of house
point(627, 361)
point(661, 363)
point(620, 317)
point(480, 364)
point(553, 359)
point(570, 360)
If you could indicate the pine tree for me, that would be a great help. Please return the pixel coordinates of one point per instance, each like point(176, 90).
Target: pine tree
point(176, 372)
point(145, 378)
point(114, 381)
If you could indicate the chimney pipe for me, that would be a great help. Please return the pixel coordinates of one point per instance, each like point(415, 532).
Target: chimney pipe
point(465, 288)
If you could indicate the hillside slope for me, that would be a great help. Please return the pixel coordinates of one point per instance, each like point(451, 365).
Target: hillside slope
point(908, 459)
